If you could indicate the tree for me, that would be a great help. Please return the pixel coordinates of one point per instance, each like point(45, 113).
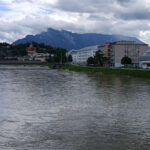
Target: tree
point(126, 60)
point(69, 58)
point(49, 59)
point(90, 61)
point(60, 56)
point(99, 58)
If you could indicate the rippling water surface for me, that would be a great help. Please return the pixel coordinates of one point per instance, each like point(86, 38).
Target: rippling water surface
point(43, 109)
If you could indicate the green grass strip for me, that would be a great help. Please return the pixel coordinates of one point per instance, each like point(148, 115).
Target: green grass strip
point(120, 71)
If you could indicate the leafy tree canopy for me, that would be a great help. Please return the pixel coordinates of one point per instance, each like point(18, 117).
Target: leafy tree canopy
point(126, 60)
point(90, 61)
point(98, 59)
point(69, 58)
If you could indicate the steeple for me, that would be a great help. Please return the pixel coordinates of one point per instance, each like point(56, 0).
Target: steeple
point(31, 44)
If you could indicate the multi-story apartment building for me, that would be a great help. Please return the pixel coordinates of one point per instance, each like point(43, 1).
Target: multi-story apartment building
point(80, 56)
point(114, 52)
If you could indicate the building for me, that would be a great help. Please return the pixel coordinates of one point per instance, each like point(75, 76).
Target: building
point(41, 57)
point(145, 60)
point(115, 51)
point(14, 44)
point(80, 56)
point(32, 54)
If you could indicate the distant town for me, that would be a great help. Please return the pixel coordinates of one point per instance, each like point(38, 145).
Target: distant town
point(32, 52)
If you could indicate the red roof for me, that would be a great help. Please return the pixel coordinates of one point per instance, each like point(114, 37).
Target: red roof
point(30, 49)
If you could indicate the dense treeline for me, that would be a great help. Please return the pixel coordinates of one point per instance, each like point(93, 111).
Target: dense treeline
point(18, 50)
point(12, 51)
point(7, 50)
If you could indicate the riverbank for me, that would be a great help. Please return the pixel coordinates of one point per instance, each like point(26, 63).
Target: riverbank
point(120, 71)
point(15, 62)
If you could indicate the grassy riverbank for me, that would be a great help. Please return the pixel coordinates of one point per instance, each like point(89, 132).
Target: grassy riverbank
point(130, 72)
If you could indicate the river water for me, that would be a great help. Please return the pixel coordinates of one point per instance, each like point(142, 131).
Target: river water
point(42, 109)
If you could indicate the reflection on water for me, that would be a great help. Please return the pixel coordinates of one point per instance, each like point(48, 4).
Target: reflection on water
point(45, 109)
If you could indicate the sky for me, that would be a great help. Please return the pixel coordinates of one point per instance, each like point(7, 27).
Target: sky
point(19, 18)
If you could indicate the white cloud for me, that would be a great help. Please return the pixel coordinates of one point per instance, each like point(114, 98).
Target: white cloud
point(145, 35)
point(22, 17)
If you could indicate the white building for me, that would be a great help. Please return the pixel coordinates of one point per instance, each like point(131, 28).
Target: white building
point(80, 56)
point(145, 60)
point(41, 57)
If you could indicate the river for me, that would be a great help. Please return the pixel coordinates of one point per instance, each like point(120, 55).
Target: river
point(42, 109)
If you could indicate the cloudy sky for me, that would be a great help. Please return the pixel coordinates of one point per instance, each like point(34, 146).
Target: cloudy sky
point(127, 17)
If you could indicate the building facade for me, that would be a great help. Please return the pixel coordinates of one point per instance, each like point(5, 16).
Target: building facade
point(145, 60)
point(114, 52)
point(80, 56)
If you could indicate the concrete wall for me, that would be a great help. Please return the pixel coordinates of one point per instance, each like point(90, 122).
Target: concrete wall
point(119, 53)
point(143, 49)
point(133, 51)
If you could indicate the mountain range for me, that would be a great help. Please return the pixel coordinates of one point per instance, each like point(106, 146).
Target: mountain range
point(69, 40)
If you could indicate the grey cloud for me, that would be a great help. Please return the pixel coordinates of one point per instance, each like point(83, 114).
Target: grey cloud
point(128, 10)
point(82, 6)
point(18, 29)
point(125, 2)
point(96, 17)
point(139, 13)
point(15, 30)
point(135, 15)
point(103, 16)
